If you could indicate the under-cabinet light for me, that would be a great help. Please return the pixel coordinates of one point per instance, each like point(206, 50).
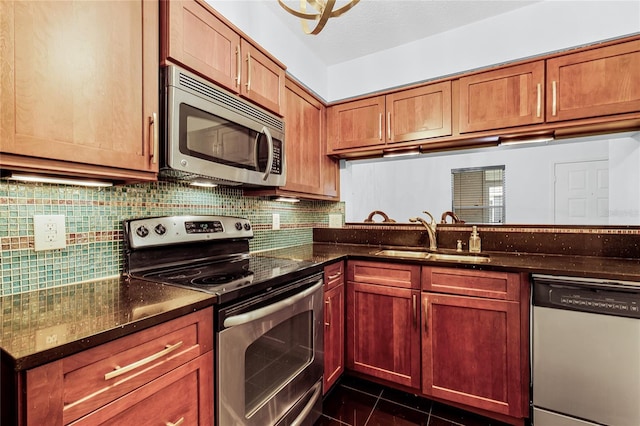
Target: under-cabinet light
point(58, 180)
point(288, 199)
point(525, 140)
point(203, 183)
point(401, 153)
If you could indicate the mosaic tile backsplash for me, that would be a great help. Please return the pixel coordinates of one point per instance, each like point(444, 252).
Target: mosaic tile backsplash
point(93, 221)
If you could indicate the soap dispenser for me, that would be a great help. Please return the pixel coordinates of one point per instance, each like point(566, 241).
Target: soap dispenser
point(474, 241)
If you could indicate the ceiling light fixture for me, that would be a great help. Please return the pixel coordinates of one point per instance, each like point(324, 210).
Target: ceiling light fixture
point(324, 9)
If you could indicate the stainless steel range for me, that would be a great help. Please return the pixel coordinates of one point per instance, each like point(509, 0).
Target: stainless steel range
point(267, 316)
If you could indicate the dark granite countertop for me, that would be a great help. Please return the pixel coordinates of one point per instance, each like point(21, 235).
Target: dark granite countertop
point(45, 325)
point(552, 264)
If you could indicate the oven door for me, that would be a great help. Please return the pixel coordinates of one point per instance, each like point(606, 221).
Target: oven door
point(269, 364)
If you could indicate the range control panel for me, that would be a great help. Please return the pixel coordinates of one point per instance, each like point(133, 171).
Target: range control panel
point(167, 230)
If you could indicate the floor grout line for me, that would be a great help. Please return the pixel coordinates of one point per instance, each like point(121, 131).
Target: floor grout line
point(374, 407)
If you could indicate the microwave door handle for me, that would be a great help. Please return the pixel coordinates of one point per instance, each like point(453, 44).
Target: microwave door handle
point(270, 159)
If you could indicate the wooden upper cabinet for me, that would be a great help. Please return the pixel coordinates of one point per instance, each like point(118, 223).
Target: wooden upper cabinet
point(504, 97)
point(593, 83)
point(420, 113)
point(194, 36)
point(311, 173)
point(356, 124)
point(262, 79)
point(403, 116)
point(79, 87)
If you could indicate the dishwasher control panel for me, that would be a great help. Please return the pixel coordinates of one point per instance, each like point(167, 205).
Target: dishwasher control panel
point(608, 301)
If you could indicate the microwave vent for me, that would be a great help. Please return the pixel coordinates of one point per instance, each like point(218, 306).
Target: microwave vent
point(229, 101)
point(178, 176)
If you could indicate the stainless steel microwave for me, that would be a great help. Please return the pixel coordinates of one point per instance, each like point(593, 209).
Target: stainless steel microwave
point(214, 136)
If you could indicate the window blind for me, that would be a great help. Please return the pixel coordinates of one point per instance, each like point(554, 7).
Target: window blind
point(478, 194)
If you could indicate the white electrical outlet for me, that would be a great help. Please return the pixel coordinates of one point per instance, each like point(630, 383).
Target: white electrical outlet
point(335, 220)
point(275, 223)
point(49, 232)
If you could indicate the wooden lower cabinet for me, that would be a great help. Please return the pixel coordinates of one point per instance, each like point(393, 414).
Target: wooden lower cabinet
point(471, 352)
point(333, 324)
point(161, 373)
point(383, 332)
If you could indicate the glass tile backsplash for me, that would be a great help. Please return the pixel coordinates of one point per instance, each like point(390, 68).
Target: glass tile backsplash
point(93, 221)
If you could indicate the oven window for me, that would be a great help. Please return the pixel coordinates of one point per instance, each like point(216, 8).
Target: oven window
point(277, 357)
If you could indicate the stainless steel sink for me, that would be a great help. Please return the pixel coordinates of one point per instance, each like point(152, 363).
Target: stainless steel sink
point(404, 253)
point(469, 258)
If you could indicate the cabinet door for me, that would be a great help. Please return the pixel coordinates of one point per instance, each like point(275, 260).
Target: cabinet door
point(420, 113)
point(304, 136)
point(506, 97)
point(471, 352)
point(195, 38)
point(262, 78)
point(182, 396)
point(594, 83)
point(79, 83)
point(383, 337)
point(333, 336)
point(356, 124)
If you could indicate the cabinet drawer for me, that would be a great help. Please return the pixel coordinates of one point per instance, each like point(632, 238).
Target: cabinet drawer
point(333, 275)
point(390, 274)
point(183, 396)
point(99, 375)
point(490, 284)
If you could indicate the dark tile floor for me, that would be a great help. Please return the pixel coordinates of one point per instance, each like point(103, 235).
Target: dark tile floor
point(355, 402)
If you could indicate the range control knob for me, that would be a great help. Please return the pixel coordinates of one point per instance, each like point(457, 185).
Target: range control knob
point(239, 226)
point(142, 231)
point(160, 229)
point(247, 226)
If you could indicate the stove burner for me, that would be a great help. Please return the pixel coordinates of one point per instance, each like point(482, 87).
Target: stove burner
point(180, 274)
point(217, 279)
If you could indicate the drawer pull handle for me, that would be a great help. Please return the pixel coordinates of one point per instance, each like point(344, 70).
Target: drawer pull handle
point(179, 422)
point(118, 371)
point(334, 276)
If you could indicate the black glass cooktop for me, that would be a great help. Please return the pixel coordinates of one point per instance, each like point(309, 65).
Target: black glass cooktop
point(233, 278)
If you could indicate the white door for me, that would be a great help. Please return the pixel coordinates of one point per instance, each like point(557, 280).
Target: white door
point(582, 193)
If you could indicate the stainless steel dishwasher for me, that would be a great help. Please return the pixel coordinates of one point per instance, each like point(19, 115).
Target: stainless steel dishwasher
point(585, 352)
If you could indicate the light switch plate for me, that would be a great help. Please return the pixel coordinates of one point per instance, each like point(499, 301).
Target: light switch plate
point(275, 224)
point(49, 232)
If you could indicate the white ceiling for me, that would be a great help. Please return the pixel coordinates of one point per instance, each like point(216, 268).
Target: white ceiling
point(376, 25)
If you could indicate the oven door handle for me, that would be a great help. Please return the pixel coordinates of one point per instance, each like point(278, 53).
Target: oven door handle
point(268, 310)
point(317, 388)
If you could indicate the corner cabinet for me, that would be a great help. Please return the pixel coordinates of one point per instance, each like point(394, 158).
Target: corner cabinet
point(383, 317)
point(598, 82)
point(163, 373)
point(474, 339)
point(195, 36)
point(311, 174)
point(403, 116)
point(333, 324)
point(79, 94)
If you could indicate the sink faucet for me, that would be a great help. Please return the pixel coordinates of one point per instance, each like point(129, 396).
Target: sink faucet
point(431, 229)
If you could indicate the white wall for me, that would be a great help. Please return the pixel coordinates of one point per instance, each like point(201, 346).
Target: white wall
point(402, 187)
point(536, 29)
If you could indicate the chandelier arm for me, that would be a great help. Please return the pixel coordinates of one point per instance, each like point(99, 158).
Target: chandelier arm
point(343, 9)
point(326, 14)
point(318, 5)
point(311, 16)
